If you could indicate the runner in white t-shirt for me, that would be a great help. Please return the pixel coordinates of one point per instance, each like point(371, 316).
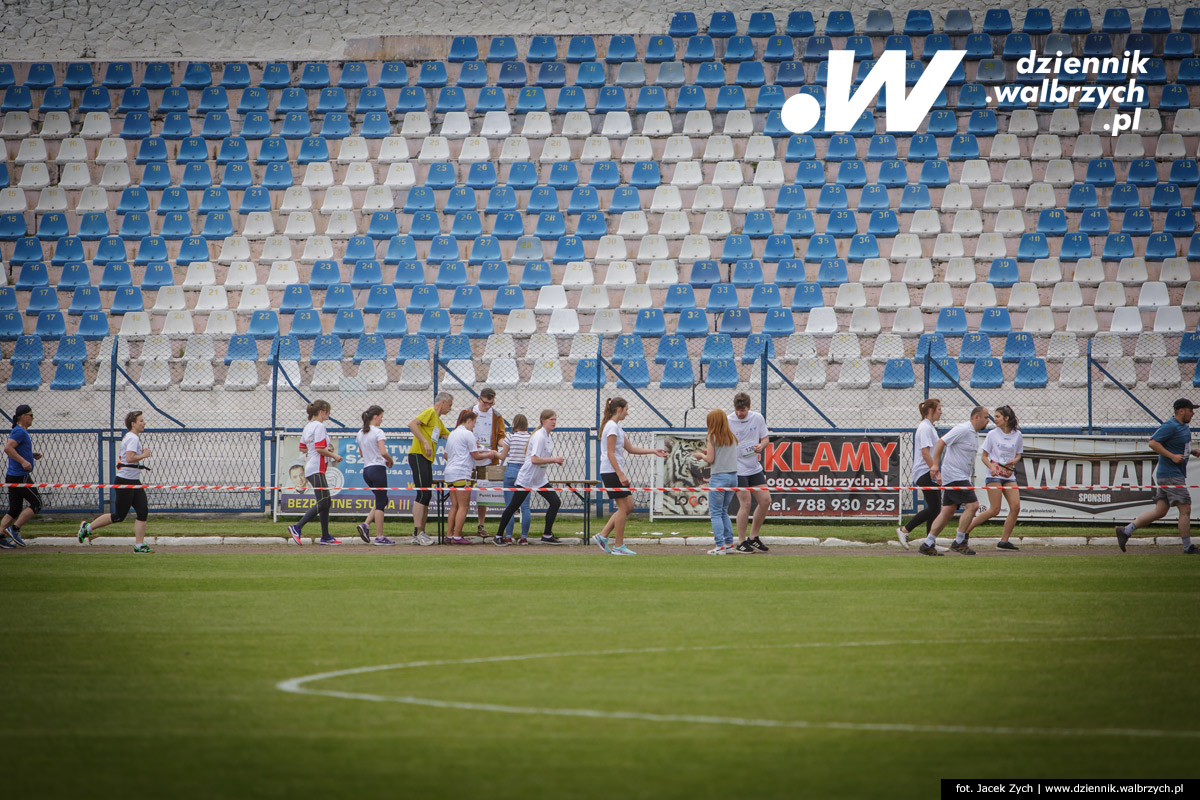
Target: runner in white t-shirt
point(613, 448)
point(752, 438)
point(953, 467)
point(462, 455)
point(1001, 452)
point(372, 449)
point(130, 456)
point(539, 454)
point(924, 441)
point(315, 444)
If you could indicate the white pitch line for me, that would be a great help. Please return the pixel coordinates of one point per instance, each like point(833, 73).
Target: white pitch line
point(297, 686)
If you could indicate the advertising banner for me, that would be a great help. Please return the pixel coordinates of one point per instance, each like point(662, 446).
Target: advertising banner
point(349, 492)
point(822, 464)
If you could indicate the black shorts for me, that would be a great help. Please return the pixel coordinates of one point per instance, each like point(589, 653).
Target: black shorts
point(125, 499)
point(616, 489)
point(422, 475)
point(757, 479)
point(959, 497)
point(19, 497)
point(376, 477)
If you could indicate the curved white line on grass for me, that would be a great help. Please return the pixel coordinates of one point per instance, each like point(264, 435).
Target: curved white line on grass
point(297, 686)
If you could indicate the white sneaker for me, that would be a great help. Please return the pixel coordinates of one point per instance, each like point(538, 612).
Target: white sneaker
point(719, 550)
point(423, 539)
point(903, 537)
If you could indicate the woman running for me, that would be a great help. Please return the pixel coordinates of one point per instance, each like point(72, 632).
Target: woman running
point(1002, 449)
point(925, 440)
point(372, 448)
point(613, 448)
point(129, 458)
point(512, 452)
point(532, 478)
point(314, 442)
point(461, 459)
point(427, 428)
point(721, 454)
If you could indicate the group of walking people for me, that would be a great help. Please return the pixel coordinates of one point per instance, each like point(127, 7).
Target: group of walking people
point(484, 447)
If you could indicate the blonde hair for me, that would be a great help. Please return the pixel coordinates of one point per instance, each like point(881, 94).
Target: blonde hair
point(718, 429)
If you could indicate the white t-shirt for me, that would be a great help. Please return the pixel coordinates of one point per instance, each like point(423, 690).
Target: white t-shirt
point(612, 429)
point(926, 436)
point(315, 436)
point(460, 465)
point(130, 443)
point(958, 458)
point(483, 427)
point(749, 432)
point(533, 476)
point(1003, 447)
point(368, 447)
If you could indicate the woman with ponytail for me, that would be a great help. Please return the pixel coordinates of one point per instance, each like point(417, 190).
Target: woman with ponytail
point(315, 444)
point(1001, 451)
point(613, 448)
point(372, 448)
point(925, 440)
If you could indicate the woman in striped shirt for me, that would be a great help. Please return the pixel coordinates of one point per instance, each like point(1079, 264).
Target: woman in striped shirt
point(512, 452)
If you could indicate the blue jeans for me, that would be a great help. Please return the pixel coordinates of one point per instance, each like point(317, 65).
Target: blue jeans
point(510, 482)
point(718, 507)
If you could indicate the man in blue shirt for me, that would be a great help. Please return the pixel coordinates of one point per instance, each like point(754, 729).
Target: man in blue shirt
point(19, 449)
point(1172, 443)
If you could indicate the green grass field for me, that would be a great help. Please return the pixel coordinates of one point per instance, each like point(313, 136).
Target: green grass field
point(156, 676)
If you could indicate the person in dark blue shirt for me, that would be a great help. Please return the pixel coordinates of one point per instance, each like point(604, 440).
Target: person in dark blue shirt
point(19, 449)
point(1172, 442)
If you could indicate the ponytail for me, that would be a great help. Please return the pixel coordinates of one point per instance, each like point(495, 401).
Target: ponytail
point(1010, 415)
point(611, 406)
point(316, 407)
point(369, 415)
point(928, 405)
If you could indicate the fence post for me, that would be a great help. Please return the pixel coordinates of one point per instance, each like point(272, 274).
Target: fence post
point(112, 419)
point(1089, 386)
point(274, 418)
point(762, 398)
point(437, 361)
point(599, 388)
point(925, 381)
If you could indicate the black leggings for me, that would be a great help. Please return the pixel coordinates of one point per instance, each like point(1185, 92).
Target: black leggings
point(321, 507)
point(376, 476)
point(127, 498)
point(933, 504)
point(422, 475)
point(514, 505)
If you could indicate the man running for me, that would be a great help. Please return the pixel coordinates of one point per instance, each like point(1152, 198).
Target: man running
point(19, 449)
point(955, 453)
point(1171, 442)
point(752, 436)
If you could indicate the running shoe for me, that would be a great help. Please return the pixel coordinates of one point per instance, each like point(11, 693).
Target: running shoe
point(1122, 537)
point(364, 532)
point(7, 543)
point(481, 531)
point(745, 547)
point(292, 530)
point(902, 535)
point(623, 551)
point(142, 548)
point(423, 539)
point(500, 541)
point(926, 550)
point(757, 544)
point(602, 543)
point(458, 540)
point(1006, 545)
point(382, 540)
point(330, 541)
point(962, 547)
point(1191, 550)
point(85, 531)
point(522, 541)
point(719, 550)
point(508, 540)
point(551, 539)
point(15, 534)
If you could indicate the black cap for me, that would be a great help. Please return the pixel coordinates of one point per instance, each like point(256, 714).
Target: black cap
point(22, 410)
point(1183, 402)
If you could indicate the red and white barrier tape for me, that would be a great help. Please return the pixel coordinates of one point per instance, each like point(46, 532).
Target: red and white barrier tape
point(570, 488)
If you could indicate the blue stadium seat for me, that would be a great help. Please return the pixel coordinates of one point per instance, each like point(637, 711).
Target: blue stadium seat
point(338, 297)
point(41, 299)
point(327, 347)
point(806, 297)
point(951, 321)
point(1032, 247)
point(932, 345)
point(1003, 272)
point(73, 275)
point(995, 322)
point(1156, 20)
point(50, 324)
point(26, 377)
point(67, 376)
point(70, 349)
point(413, 347)
point(51, 227)
point(1031, 374)
point(898, 374)
point(839, 23)
point(988, 373)
point(820, 247)
point(589, 374)
point(306, 324)
point(392, 324)
point(692, 324)
point(627, 348)
point(1116, 247)
point(677, 373)
point(746, 274)
point(753, 349)
point(296, 297)
point(466, 298)
point(779, 247)
point(348, 322)
point(634, 372)
point(764, 298)
point(722, 374)
point(265, 324)
point(381, 298)
point(84, 298)
point(30, 349)
point(943, 373)
point(1018, 345)
point(134, 99)
point(116, 275)
point(721, 297)
point(1160, 247)
point(282, 348)
point(242, 347)
point(717, 346)
point(1166, 197)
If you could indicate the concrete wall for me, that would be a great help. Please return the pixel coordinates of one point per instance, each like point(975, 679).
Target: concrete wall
point(320, 29)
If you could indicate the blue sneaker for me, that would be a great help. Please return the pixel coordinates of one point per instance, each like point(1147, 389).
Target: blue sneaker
point(622, 551)
point(383, 540)
point(329, 541)
point(364, 532)
point(7, 543)
point(602, 543)
point(15, 535)
point(295, 533)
